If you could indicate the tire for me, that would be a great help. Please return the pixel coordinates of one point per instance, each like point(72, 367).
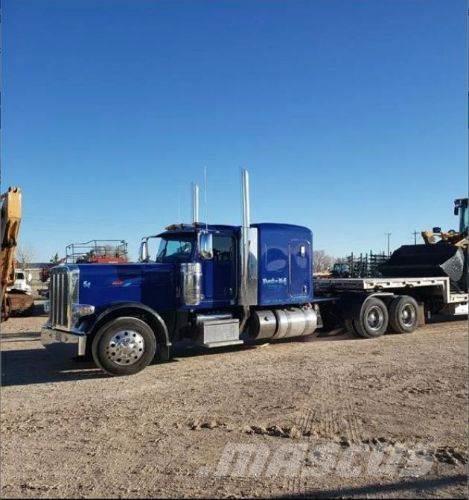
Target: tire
point(124, 346)
point(372, 320)
point(350, 327)
point(403, 314)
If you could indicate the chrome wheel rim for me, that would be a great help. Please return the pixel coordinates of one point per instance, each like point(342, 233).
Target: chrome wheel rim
point(375, 318)
point(408, 315)
point(125, 347)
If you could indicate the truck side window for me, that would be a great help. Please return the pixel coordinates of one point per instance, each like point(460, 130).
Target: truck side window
point(223, 248)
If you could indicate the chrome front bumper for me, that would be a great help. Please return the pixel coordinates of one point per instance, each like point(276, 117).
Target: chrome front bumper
point(52, 336)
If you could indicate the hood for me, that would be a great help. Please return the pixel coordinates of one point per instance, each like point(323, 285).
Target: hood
point(151, 284)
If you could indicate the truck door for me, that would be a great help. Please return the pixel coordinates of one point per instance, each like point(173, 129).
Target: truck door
point(220, 272)
point(300, 268)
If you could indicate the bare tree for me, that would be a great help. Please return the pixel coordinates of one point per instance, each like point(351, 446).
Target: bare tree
point(24, 256)
point(55, 259)
point(322, 262)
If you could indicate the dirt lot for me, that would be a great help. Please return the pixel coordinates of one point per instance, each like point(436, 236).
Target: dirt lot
point(333, 417)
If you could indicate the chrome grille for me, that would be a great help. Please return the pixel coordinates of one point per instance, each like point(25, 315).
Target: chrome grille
point(63, 292)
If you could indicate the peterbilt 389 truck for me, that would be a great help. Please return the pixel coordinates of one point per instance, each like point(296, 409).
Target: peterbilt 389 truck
point(219, 285)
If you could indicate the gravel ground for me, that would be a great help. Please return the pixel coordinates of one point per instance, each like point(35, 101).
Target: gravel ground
point(334, 416)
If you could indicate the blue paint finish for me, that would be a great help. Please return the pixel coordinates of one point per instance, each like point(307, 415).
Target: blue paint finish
point(285, 276)
point(284, 273)
point(150, 284)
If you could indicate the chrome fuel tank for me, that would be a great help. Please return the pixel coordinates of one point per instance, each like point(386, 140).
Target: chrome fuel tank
point(283, 323)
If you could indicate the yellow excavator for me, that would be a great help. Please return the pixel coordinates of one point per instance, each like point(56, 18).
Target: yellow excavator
point(457, 238)
point(12, 300)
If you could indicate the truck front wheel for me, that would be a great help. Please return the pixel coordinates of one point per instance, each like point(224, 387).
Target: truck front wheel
point(124, 346)
point(403, 314)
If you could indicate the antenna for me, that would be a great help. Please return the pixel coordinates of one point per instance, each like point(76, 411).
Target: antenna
point(179, 205)
point(195, 203)
point(205, 198)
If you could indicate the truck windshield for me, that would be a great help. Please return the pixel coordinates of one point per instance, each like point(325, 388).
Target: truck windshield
point(175, 249)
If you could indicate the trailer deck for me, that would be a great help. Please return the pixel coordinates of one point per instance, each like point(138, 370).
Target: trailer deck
point(330, 285)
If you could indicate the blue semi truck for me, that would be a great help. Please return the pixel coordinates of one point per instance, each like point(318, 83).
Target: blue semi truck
point(219, 285)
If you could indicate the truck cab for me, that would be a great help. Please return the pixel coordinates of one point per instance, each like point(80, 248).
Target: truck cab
point(213, 248)
point(214, 285)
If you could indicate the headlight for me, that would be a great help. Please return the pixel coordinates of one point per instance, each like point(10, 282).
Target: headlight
point(80, 310)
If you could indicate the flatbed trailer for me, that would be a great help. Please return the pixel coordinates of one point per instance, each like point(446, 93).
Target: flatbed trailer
point(367, 306)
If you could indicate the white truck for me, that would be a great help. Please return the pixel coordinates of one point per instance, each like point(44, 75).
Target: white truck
point(21, 282)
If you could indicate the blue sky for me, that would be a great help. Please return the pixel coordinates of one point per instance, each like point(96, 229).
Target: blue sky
point(350, 115)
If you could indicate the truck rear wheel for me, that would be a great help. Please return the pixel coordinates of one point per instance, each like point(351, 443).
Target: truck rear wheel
point(124, 346)
point(373, 319)
point(403, 314)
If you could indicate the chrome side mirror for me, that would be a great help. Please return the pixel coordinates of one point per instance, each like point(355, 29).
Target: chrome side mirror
point(144, 256)
point(206, 246)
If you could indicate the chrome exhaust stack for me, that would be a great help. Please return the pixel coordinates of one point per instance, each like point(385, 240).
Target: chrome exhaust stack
point(195, 203)
point(248, 249)
point(246, 199)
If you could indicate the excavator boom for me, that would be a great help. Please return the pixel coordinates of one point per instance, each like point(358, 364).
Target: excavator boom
point(10, 225)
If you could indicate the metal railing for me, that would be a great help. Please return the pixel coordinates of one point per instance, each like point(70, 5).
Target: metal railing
point(95, 251)
point(360, 265)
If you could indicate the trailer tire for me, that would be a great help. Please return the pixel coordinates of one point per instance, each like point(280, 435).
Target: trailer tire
point(403, 314)
point(372, 320)
point(124, 346)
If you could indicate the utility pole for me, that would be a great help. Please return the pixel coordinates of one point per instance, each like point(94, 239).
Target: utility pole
point(388, 236)
point(415, 233)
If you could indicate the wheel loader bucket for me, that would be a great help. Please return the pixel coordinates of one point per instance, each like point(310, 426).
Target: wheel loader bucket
point(417, 261)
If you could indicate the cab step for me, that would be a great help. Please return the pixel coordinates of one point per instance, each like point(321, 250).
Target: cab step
point(219, 332)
